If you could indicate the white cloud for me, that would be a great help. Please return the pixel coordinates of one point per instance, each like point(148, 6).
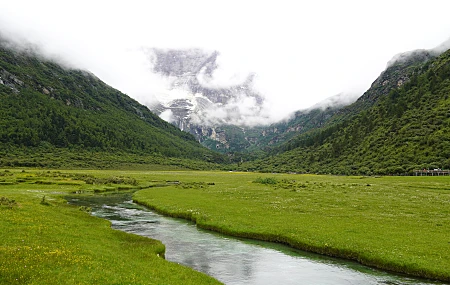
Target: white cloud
point(167, 116)
point(301, 51)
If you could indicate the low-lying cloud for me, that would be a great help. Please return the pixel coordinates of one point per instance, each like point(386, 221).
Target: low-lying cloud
point(201, 89)
point(239, 111)
point(304, 54)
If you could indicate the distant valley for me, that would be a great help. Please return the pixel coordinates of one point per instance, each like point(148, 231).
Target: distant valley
point(215, 115)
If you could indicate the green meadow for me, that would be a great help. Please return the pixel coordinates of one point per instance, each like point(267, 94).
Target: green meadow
point(400, 224)
point(45, 241)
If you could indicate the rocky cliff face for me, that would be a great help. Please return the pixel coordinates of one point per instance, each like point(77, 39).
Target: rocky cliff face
point(200, 101)
point(202, 105)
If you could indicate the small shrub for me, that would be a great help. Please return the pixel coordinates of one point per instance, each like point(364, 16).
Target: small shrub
point(9, 203)
point(85, 209)
point(6, 173)
point(42, 182)
point(193, 185)
point(44, 201)
point(268, 180)
point(111, 180)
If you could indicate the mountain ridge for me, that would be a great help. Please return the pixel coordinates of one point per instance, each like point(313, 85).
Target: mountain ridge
point(399, 124)
point(406, 126)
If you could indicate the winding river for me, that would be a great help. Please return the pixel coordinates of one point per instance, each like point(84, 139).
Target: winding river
point(232, 260)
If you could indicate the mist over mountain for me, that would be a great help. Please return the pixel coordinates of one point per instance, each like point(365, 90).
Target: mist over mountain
point(400, 124)
point(227, 115)
point(196, 97)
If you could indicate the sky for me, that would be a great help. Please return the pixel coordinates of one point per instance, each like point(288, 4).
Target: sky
point(302, 52)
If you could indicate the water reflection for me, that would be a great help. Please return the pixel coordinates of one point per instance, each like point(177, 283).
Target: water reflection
point(230, 260)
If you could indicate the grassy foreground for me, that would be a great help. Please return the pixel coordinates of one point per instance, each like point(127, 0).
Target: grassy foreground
point(396, 223)
point(45, 241)
point(400, 224)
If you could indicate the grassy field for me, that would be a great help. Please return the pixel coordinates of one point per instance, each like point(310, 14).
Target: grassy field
point(45, 241)
point(396, 223)
point(400, 224)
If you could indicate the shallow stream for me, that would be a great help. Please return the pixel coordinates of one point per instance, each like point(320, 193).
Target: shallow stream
point(232, 260)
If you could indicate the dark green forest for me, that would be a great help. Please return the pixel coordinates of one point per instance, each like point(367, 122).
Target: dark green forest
point(46, 107)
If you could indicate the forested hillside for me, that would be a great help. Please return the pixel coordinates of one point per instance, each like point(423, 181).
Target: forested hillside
point(45, 106)
point(400, 128)
point(251, 141)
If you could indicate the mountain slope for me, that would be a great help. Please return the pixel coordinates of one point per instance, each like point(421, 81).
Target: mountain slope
point(244, 140)
point(404, 127)
point(201, 100)
point(46, 105)
point(399, 71)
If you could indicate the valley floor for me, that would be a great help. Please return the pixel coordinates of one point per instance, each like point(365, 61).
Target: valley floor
point(398, 224)
point(394, 223)
point(43, 240)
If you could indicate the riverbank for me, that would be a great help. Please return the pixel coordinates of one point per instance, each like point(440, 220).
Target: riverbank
point(395, 223)
point(399, 224)
point(43, 240)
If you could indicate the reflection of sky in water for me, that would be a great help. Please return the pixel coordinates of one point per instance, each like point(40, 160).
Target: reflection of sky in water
point(234, 261)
